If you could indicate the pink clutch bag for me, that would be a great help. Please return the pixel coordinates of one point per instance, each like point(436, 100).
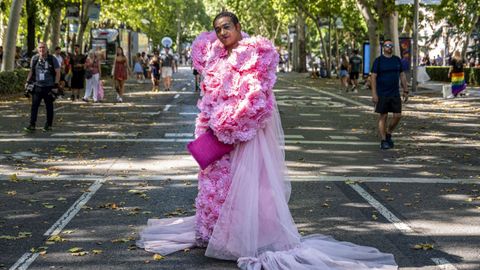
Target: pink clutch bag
point(207, 149)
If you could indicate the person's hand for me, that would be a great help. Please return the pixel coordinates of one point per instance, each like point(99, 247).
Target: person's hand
point(375, 99)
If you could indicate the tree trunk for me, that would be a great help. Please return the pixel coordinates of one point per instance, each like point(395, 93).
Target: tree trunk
point(372, 25)
point(31, 17)
point(48, 27)
point(8, 63)
point(329, 53)
point(56, 23)
point(302, 53)
point(83, 23)
point(468, 34)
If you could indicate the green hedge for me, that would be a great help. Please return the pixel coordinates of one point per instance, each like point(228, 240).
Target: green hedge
point(12, 82)
point(441, 74)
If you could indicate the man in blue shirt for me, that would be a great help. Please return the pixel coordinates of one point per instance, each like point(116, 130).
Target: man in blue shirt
point(44, 76)
point(386, 74)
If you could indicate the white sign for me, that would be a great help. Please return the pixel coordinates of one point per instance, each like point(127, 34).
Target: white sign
point(431, 2)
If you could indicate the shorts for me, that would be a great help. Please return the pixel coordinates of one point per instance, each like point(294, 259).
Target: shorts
point(167, 72)
point(343, 73)
point(354, 75)
point(389, 104)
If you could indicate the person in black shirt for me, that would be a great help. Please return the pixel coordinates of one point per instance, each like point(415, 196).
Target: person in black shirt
point(44, 75)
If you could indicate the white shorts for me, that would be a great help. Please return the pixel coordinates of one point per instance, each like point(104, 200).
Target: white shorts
point(167, 72)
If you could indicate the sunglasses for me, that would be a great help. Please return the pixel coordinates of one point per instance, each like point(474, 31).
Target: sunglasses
point(389, 45)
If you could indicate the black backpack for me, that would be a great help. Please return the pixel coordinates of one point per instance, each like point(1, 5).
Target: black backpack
point(35, 59)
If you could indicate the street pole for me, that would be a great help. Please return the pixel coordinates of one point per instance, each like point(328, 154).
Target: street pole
point(416, 6)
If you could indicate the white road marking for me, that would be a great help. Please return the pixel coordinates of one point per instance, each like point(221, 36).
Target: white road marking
point(310, 114)
point(59, 108)
point(294, 137)
point(425, 144)
point(184, 88)
point(167, 107)
point(5, 176)
point(184, 135)
point(24, 262)
point(176, 96)
point(344, 138)
point(100, 133)
point(350, 115)
point(28, 258)
point(74, 209)
point(347, 100)
point(403, 227)
point(443, 264)
point(188, 113)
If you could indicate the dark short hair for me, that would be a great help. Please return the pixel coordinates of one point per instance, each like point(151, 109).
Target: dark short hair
point(229, 14)
point(77, 45)
point(387, 40)
point(57, 48)
point(355, 51)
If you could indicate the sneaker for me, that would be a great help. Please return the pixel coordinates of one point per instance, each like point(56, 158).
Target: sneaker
point(451, 96)
point(47, 128)
point(384, 145)
point(72, 98)
point(85, 99)
point(388, 139)
point(29, 129)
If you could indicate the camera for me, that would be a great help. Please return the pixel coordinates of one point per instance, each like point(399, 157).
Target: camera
point(28, 89)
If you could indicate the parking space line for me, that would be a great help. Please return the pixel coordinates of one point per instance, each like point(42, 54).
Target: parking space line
point(24, 262)
point(403, 227)
point(28, 258)
point(167, 107)
point(442, 263)
point(176, 96)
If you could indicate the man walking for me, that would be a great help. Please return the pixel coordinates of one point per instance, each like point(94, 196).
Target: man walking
point(167, 62)
point(354, 69)
point(386, 74)
point(44, 75)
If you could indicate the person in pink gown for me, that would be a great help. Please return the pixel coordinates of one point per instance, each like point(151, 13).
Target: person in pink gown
point(242, 209)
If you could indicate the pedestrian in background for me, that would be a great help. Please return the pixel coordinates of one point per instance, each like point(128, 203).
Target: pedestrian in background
point(92, 74)
point(78, 73)
point(354, 68)
point(155, 71)
point(120, 73)
point(387, 73)
point(167, 63)
point(43, 80)
point(344, 72)
point(138, 68)
point(456, 74)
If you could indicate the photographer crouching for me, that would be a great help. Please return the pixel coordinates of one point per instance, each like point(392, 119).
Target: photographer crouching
point(42, 83)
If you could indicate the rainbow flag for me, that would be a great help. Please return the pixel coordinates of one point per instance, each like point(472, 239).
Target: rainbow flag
point(458, 83)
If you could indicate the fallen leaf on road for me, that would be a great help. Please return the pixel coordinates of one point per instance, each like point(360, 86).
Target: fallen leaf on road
point(157, 257)
point(97, 251)
point(424, 246)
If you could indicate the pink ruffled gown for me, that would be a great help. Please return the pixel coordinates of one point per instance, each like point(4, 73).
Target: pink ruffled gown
point(242, 203)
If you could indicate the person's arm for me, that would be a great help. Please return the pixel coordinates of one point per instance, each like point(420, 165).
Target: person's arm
point(373, 84)
point(403, 82)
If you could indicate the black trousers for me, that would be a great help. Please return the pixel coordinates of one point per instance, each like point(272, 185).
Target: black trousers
point(38, 94)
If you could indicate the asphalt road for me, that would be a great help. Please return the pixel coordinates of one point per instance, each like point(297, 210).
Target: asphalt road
point(93, 181)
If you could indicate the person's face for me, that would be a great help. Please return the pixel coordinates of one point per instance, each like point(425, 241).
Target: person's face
point(76, 49)
point(42, 49)
point(227, 32)
point(388, 47)
point(119, 51)
point(57, 51)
